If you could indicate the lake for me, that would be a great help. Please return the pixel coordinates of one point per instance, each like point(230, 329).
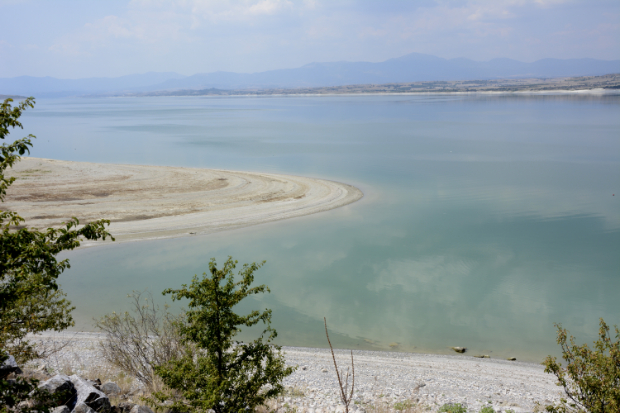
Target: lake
point(486, 218)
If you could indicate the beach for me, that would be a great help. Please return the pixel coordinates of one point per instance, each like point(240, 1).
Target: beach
point(151, 202)
point(381, 378)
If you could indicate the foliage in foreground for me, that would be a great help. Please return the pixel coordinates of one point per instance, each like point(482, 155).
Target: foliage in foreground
point(137, 341)
point(222, 374)
point(30, 300)
point(591, 378)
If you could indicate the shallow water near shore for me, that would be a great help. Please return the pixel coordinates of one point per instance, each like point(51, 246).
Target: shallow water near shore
point(486, 219)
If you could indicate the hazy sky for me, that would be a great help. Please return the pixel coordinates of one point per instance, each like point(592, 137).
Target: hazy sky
point(84, 38)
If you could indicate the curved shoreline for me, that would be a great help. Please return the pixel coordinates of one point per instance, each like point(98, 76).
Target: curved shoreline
point(151, 202)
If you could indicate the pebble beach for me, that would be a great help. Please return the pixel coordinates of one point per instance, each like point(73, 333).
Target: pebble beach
point(385, 381)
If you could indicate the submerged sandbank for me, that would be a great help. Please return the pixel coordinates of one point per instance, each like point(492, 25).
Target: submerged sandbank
point(149, 202)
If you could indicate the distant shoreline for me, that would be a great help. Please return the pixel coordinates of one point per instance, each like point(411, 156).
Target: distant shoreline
point(14, 97)
point(539, 93)
point(606, 84)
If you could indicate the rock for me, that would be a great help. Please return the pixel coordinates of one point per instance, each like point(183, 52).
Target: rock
point(110, 388)
point(304, 367)
point(483, 356)
point(9, 366)
point(59, 383)
point(511, 359)
point(83, 408)
point(140, 409)
point(61, 409)
point(459, 349)
point(89, 395)
point(324, 370)
point(95, 383)
point(126, 406)
point(25, 405)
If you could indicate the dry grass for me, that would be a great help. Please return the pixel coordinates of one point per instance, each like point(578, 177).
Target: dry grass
point(136, 342)
point(292, 398)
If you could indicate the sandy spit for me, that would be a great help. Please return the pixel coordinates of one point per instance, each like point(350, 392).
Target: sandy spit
point(149, 202)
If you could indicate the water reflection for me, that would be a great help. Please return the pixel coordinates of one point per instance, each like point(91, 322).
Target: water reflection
point(485, 218)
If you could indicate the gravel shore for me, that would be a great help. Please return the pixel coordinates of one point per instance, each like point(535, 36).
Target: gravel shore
point(381, 378)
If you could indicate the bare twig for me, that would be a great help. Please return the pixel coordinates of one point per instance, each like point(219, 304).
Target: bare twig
point(345, 396)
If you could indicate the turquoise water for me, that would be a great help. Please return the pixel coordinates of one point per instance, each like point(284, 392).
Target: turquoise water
point(486, 219)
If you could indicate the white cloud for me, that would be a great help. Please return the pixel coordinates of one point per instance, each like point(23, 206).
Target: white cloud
point(193, 36)
point(434, 275)
point(222, 10)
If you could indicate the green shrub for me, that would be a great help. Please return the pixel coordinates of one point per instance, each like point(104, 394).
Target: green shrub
point(404, 405)
point(591, 378)
point(487, 409)
point(453, 408)
point(221, 374)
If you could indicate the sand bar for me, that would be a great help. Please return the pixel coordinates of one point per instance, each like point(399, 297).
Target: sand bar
point(148, 202)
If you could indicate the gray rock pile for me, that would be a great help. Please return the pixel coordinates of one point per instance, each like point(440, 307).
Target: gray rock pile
point(78, 395)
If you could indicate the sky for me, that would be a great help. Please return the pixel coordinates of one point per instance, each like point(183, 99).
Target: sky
point(96, 38)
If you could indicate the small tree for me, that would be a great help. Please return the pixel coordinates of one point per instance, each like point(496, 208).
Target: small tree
point(223, 375)
point(591, 378)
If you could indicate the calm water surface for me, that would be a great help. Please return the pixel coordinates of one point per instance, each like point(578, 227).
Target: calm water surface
point(486, 219)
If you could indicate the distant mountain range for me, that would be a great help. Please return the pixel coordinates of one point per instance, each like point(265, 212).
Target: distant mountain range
point(414, 67)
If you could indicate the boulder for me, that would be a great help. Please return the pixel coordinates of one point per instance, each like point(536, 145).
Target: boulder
point(61, 385)
point(140, 409)
point(126, 406)
point(110, 388)
point(95, 383)
point(58, 384)
point(61, 409)
point(25, 405)
point(83, 408)
point(9, 366)
point(459, 349)
point(89, 395)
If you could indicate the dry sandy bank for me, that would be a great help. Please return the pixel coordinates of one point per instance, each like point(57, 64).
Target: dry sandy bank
point(146, 202)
